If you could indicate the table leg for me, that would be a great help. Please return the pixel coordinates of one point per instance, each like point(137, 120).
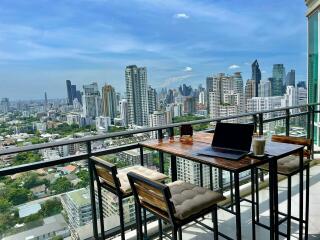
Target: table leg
point(237, 203)
point(307, 202)
point(301, 196)
point(276, 202)
point(271, 198)
point(253, 204)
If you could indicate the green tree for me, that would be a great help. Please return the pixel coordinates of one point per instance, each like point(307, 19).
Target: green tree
point(18, 195)
point(27, 157)
point(83, 175)
point(61, 185)
point(5, 205)
point(51, 207)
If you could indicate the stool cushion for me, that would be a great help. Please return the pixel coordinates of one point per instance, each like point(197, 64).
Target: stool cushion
point(189, 199)
point(146, 172)
point(287, 165)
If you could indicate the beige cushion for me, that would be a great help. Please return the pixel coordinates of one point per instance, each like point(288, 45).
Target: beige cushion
point(189, 199)
point(146, 172)
point(287, 164)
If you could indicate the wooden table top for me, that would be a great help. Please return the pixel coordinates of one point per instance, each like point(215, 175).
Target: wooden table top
point(202, 140)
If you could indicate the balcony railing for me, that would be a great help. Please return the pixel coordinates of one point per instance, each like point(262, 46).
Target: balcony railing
point(284, 120)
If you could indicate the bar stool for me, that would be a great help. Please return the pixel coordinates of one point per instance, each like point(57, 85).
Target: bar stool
point(288, 167)
point(107, 177)
point(177, 203)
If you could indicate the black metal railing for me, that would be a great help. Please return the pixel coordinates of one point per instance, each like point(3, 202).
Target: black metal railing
point(258, 118)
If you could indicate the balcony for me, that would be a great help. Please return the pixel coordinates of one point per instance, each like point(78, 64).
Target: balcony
point(75, 215)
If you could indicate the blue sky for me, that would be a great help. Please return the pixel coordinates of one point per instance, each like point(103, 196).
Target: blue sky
point(45, 42)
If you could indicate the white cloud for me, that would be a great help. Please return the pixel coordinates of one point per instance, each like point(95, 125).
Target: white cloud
point(234, 66)
point(187, 69)
point(263, 71)
point(181, 15)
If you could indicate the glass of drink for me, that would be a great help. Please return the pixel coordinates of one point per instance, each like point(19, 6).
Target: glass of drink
point(258, 145)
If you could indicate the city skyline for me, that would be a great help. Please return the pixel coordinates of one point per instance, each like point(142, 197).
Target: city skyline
point(39, 52)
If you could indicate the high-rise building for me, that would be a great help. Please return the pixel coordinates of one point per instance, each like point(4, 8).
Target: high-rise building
point(185, 90)
point(291, 78)
point(123, 104)
point(109, 102)
point(157, 119)
point(302, 84)
point(202, 98)
point(69, 93)
point(290, 98)
point(264, 103)
point(91, 100)
point(238, 88)
point(302, 95)
point(45, 102)
point(278, 77)
point(137, 95)
point(313, 15)
point(209, 88)
point(265, 88)
point(223, 99)
point(152, 99)
point(73, 93)
point(4, 105)
point(169, 97)
point(256, 76)
point(249, 91)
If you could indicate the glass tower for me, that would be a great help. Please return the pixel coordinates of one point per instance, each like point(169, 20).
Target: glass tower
point(313, 15)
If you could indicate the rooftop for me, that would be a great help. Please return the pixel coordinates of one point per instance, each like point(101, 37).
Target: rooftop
point(80, 197)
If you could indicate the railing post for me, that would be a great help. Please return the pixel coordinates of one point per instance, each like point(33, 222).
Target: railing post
point(171, 133)
point(287, 122)
point(312, 130)
point(220, 178)
point(201, 174)
point(260, 123)
point(141, 156)
point(161, 156)
point(92, 193)
point(309, 122)
point(255, 122)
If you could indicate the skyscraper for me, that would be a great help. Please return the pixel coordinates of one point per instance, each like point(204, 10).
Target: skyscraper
point(70, 99)
point(249, 91)
point(256, 75)
point(109, 102)
point(313, 15)
point(238, 88)
point(4, 105)
point(291, 78)
point(223, 100)
point(123, 104)
point(278, 77)
point(91, 100)
point(152, 99)
point(137, 95)
point(209, 88)
point(45, 102)
point(265, 88)
point(73, 93)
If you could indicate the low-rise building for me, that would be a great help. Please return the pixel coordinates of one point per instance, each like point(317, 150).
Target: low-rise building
point(77, 205)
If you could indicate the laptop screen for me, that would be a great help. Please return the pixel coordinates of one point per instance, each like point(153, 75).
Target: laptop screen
point(233, 135)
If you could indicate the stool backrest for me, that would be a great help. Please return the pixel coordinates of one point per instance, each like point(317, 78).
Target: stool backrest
point(294, 140)
point(152, 195)
point(105, 172)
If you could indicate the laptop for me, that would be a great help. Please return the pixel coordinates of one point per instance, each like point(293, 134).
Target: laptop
point(231, 141)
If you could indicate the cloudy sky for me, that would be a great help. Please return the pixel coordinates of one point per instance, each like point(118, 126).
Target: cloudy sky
point(45, 42)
